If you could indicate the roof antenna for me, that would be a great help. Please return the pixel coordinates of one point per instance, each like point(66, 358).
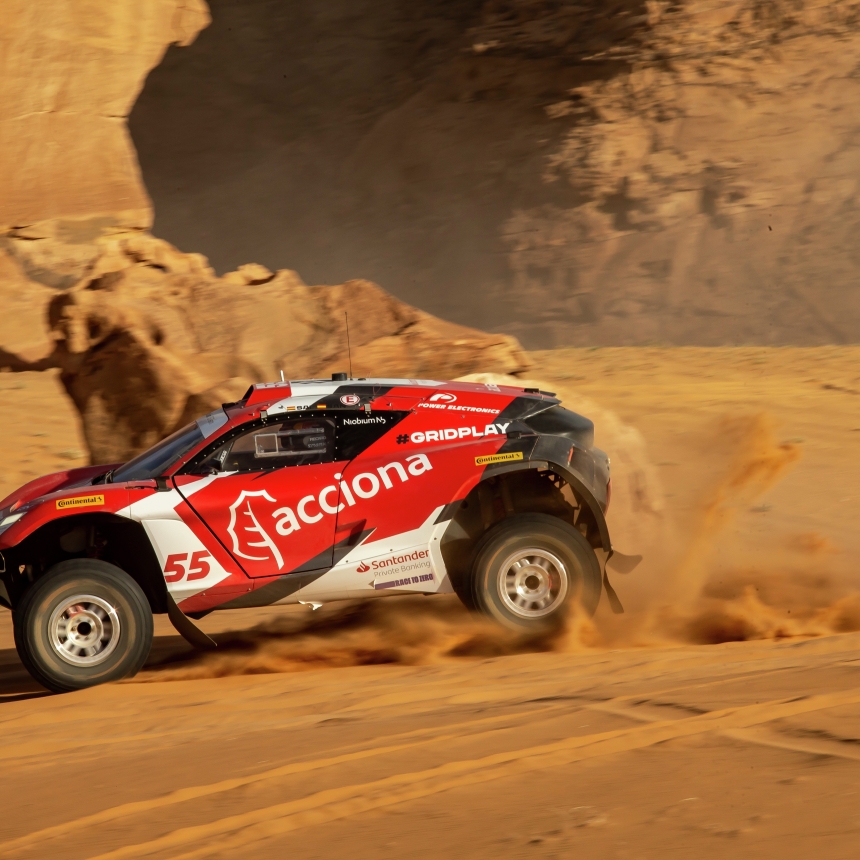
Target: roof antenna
point(282, 376)
point(348, 348)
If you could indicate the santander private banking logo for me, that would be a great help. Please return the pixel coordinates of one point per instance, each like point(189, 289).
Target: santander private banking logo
point(244, 525)
point(363, 567)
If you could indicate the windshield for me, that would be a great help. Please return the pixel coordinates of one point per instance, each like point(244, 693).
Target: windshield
point(152, 463)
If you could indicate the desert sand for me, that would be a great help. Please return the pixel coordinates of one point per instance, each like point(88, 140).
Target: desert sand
point(719, 715)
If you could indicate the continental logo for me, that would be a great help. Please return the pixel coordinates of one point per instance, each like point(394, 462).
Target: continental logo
point(498, 458)
point(81, 502)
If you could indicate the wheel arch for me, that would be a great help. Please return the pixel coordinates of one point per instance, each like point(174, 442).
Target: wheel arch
point(499, 494)
point(107, 537)
point(583, 493)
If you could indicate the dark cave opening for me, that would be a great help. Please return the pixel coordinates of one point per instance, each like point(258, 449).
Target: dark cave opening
point(361, 140)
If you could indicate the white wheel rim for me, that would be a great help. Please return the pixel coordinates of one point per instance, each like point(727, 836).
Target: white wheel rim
point(84, 630)
point(533, 583)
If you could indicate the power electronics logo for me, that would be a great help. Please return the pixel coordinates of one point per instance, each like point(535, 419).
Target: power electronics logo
point(444, 400)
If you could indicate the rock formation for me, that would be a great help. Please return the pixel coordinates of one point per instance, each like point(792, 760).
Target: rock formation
point(69, 75)
point(613, 171)
point(146, 337)
point(149, 338)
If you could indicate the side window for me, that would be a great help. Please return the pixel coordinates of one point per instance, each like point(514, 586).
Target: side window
point(357, 431)
point(273, 445)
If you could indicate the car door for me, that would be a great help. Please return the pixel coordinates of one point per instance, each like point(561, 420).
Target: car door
point(270, 492)
point(402, 489)
point(396, 492)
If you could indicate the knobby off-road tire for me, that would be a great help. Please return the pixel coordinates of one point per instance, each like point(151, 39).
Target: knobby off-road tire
point(86, 622)
point(527, 569)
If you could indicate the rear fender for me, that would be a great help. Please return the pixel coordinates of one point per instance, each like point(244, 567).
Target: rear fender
point(576, 481)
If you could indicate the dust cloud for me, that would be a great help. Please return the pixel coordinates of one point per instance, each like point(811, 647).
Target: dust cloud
point(692, 603)
point(686, 599)
point(406, 630)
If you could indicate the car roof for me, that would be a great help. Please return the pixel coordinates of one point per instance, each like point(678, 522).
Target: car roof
point(305, 393)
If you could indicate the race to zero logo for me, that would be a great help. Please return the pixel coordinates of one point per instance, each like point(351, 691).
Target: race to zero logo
point(248, 530)
point(404, 570)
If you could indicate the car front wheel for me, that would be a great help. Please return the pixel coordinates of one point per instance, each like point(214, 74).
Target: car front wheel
point(530, 567)
point(86, 622)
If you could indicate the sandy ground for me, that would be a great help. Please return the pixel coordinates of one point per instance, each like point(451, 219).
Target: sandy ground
point(719, 716)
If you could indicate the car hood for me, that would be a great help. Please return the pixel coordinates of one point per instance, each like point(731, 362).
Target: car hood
point(56, 481)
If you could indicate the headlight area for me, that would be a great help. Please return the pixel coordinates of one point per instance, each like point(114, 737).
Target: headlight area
point(11, 518)
point(11, 515)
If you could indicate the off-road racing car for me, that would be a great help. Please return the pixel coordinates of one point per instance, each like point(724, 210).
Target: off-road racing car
point(308, 492)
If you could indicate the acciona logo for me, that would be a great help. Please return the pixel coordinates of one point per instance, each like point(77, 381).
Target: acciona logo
point(244, 524)
point(364, 485)
point(247, 523)
point(376, 419)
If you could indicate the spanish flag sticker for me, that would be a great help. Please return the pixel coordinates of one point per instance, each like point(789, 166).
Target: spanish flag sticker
point(90, 501)
point(498, 458)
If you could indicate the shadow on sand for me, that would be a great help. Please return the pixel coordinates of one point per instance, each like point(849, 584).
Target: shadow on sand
point(16, 685)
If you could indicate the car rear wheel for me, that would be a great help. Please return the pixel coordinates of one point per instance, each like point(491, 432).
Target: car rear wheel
point(86, 622)
point(528, 569)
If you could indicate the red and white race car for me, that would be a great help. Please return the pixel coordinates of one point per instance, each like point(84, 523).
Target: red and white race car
point(309, 492)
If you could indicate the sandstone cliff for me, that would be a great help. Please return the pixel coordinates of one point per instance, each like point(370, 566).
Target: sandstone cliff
point(69, 75)
point(719, 180)
point(606, 171)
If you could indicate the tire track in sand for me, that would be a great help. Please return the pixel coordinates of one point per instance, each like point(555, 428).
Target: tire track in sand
point(194, 792)
point(331, 804)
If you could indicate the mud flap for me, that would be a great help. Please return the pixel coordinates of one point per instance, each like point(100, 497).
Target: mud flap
point(614, 602)
point(187, 629)
point(621, 563)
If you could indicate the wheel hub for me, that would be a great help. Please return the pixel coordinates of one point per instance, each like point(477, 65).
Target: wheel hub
point(84, 630)
point(533, 583)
